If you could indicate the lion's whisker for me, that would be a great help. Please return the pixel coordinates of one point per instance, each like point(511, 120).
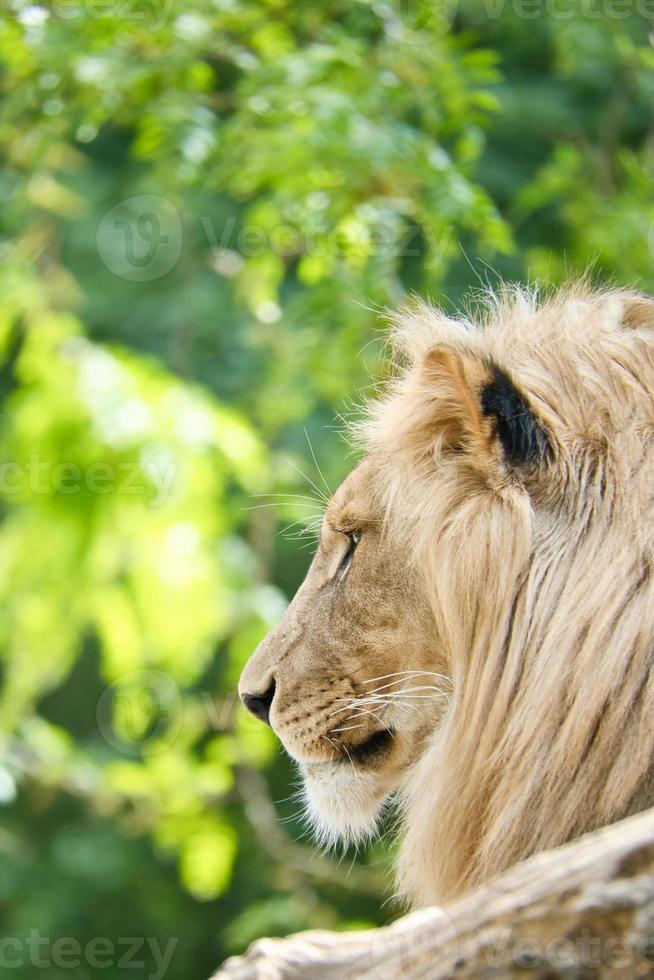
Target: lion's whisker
point(384, 687)
point(359, 708)
point(399, 680)
point(304, 525)
point(320, 472)
point(355, 706)
point(320, 493)
point(349, 728)
point(346, 750)
point(358, 703)
point(334, 747)
point(346, 728)
point(392, 697)
point(287, 496)
point(376, 717)
point(406, 673)
point(414, 690)
point(319, 508)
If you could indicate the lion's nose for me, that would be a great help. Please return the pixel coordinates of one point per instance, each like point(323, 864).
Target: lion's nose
point(259, 704)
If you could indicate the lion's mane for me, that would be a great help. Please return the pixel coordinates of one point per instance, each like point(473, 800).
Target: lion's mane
point(539, 573)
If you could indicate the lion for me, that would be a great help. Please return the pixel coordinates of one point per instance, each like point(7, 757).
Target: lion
point(474, 637)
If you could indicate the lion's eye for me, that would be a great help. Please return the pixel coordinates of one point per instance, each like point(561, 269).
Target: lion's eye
point(353, 539)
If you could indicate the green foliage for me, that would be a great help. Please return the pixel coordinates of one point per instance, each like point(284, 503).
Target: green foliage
point(205, 208)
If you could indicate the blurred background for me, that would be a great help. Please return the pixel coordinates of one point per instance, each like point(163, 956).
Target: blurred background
point(206, 207)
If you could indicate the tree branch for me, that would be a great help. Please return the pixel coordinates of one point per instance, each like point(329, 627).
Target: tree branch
point(583, 910)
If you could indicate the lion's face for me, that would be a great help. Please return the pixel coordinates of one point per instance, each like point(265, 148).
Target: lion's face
point(350, 676)
point(483, 577)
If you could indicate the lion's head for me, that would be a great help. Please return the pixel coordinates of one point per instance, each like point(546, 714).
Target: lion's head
point(475, 634)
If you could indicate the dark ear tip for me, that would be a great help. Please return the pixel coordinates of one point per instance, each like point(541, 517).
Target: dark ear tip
point(523, 438)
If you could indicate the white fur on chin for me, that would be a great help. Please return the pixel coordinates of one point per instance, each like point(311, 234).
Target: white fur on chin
point(342, 805)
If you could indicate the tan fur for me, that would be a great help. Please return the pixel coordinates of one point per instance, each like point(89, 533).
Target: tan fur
point(529, 586)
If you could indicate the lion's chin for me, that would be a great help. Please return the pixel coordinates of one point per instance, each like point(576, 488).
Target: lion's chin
point(342, 805)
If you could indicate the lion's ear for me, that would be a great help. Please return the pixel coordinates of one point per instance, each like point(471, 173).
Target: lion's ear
point(452, 381)
point(522, 436)
point(638, 312)
point(478, 402)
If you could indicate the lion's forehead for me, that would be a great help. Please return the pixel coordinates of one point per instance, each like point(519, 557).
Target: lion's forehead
point(354, 502)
